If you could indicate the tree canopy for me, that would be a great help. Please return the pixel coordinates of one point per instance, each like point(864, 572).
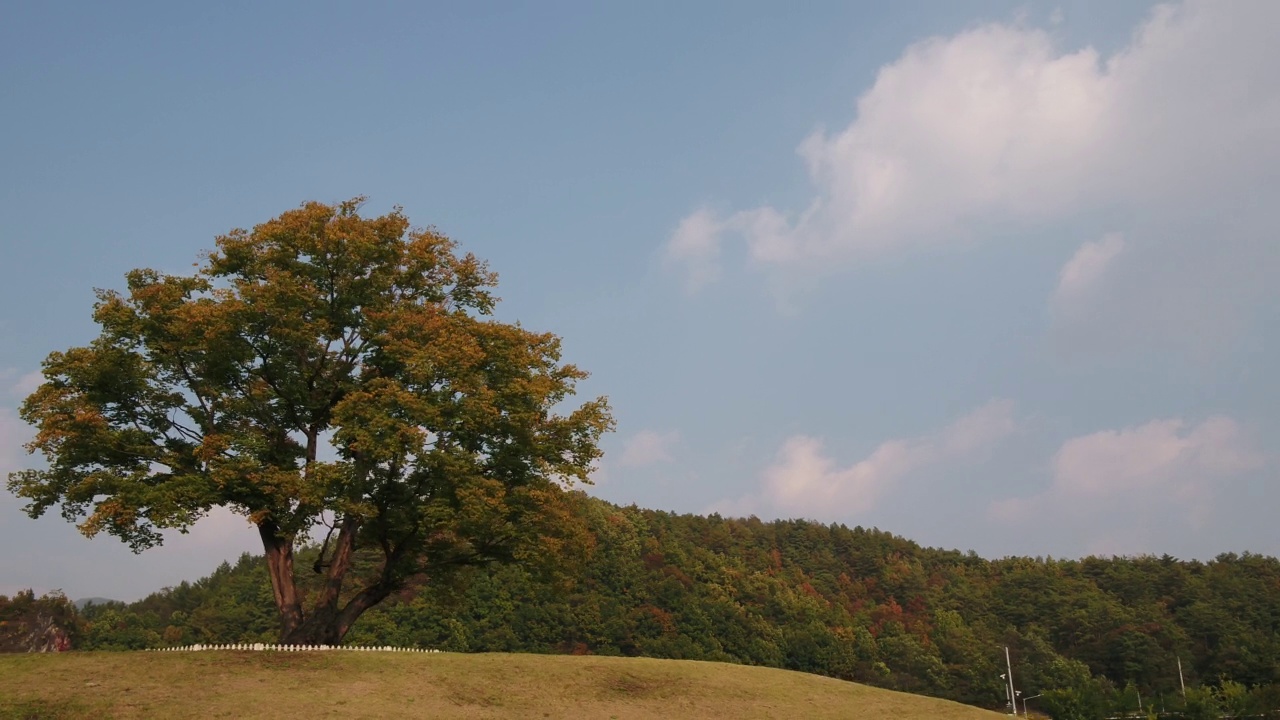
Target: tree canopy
point(318, 329)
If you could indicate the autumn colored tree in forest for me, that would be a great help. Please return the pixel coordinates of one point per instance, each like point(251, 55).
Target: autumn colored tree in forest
point(318, 328)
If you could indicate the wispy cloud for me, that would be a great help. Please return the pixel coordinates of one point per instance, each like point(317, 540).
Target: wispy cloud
point(1085, 270)
point(648, 447)
point(695, 248)
point(805, 481)
point(998, 123)
point(998, 126)
point(1108, 484)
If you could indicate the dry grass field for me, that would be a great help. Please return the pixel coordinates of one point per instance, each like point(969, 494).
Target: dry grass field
point(226, 684)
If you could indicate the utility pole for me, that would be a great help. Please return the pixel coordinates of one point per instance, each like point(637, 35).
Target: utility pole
point(1013, 702)
point(1182, 682)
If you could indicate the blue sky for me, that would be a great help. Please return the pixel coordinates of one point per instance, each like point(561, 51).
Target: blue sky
point(993, 275)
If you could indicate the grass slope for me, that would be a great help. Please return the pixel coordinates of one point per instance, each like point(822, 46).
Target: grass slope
point(444, 685)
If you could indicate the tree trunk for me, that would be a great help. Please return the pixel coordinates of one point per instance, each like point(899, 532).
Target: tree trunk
point(326, 624)
point(279, 552)
point(317, 630)
point(339, 564)
point(322, 626)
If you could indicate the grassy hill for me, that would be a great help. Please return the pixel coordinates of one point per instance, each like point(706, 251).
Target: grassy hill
point(443, 685)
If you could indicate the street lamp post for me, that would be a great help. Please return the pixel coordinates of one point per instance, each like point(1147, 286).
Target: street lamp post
point(1013, 699)
point(1024, 704)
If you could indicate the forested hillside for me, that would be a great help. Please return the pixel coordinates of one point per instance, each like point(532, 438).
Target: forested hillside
point(1092, 635)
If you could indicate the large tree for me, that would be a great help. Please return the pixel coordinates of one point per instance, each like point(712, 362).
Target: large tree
point(323, 369)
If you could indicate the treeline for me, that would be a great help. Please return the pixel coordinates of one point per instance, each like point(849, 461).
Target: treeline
point(1091, 637)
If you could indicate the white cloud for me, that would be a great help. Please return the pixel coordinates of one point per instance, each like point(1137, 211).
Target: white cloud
point(696, 245)
point(1086, 269)
point(985, 123)
point(999, 126)
point(1162, 453)
point(648, 447)
point(978, 431)
point(1109, 485)
point(804, 481)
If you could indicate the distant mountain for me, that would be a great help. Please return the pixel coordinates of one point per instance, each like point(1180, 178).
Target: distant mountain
point(83, 602)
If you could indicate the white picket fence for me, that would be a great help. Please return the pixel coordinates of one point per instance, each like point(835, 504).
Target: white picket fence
point(293, 648)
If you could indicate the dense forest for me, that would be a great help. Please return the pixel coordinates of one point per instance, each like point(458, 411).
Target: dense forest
point(1091, 637)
